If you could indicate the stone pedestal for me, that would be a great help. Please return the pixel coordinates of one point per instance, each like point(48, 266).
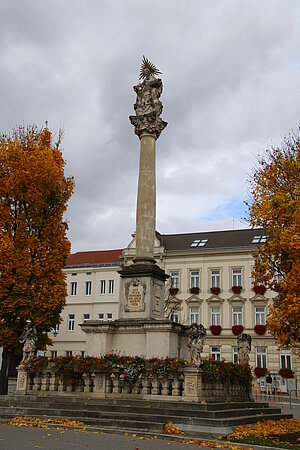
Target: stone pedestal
point(156, 337)
point(192, 384)
point(22, 380)
point(142, 291)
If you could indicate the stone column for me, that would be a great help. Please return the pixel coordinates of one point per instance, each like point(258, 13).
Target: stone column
point(146, 201)
point(147, 126)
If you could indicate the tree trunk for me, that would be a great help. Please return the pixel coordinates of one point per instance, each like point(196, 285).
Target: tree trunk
point(6, 357)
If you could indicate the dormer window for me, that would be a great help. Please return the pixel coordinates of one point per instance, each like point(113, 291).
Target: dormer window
point(259, 239)
point(199, 242)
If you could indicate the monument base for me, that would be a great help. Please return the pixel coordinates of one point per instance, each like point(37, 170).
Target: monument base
point(150, 338)
point(142, 291)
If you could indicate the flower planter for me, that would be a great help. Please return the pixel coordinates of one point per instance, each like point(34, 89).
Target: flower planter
point(260, 329)
point(194, 290)
point(215, 290)
point(236, 289)
point(173, 291)
point(260, 371)
point(259, 289)
point(286, 373)
point(237, 329)
point(216, 329)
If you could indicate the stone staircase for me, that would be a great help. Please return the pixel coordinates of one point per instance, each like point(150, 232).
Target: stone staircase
point(140, 416)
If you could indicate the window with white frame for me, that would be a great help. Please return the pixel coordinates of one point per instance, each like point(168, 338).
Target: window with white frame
point(237, 277)
point(194, 315)
point(215, 353)
point(215, 315)
point(260, 315)
point(194, 278)
point(102, 286)
point(235, 355)
point(88, 288)
point(109, 317)
point(86, 317)
point(53, 353)
point(71, 322)
point(174, 279)
point(101, 316)
point(68, 352)
point(215, 278)
point(73, 288)
point(261, 357)
point(111, 286)
point(174, 316)
point(285, 358)
point(237, 315)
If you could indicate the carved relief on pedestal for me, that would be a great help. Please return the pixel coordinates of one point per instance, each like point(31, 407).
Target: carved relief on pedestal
point(135, 292)
point(157, 299)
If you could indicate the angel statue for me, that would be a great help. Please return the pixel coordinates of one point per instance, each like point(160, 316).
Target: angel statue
point(28, 338)
point(195, 343)
point(244, 347)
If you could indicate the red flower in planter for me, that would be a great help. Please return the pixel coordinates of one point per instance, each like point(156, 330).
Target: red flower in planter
point(286, 373)
point(260, 329)
point(173, 291)
point(236, 289)
point(260, 371)
point(215, 290)
point(237, 329)
point(194, 290)
point(216, 329)
point(259, 289)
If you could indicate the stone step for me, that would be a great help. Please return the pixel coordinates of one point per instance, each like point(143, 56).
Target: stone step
point(167, 410)
point(133, 414)
point(64, 400)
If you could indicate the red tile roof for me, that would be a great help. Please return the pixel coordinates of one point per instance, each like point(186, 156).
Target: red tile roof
point(94, 257)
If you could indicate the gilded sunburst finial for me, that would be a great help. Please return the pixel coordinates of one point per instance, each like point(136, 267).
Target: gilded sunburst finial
point(146, 68)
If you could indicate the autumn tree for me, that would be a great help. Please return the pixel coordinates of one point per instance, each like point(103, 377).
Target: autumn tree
point(275, 206)
point(33, 246)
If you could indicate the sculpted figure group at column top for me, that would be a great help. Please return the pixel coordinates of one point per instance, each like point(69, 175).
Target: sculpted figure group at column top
point(148, 107)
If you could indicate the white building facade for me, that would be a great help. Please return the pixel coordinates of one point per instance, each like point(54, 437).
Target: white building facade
point(210, 283)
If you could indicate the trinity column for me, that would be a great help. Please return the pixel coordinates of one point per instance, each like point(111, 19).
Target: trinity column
point(142, 287)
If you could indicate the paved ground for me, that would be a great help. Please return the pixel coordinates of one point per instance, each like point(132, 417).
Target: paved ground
point(21, 438)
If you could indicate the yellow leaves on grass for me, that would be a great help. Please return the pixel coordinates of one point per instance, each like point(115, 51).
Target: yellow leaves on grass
point(45, 422)
point(169, 428)
point(266, 428)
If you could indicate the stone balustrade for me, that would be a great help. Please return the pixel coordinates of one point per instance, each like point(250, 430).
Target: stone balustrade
point(187, 386)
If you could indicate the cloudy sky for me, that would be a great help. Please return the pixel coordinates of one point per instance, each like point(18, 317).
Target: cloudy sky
point(231, 74)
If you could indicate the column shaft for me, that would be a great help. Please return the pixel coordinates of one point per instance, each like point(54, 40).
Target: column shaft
point(146, 200)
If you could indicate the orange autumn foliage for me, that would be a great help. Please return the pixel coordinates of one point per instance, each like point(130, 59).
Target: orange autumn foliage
point(275, 206)
point(33, 246)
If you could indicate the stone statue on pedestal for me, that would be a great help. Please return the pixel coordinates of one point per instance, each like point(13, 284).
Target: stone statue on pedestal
point(244, 347)
point(29, 339)
point(148, 107)
point(195, 343)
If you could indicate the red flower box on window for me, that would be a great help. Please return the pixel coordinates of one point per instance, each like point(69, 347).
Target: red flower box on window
point(259, 289)
point(216, 329)
point(215, 290)
point(286, 373)
point(260, 371)
point(236, 289)
point(237, 329)
point(194, 290)
point(173, 291)
point(260, 329)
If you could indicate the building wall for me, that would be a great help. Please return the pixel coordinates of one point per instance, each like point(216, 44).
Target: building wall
point(183, 263)
point(82, 303)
